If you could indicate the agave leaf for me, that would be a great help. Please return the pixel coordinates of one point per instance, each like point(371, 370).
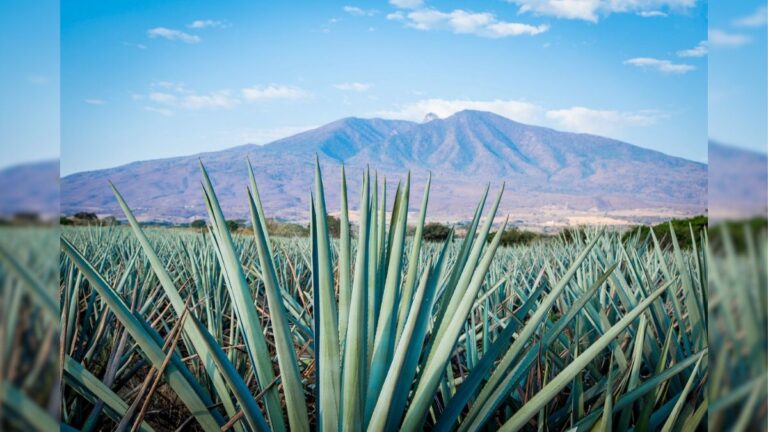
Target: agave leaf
point(330, 380)
point(385, 337)
point(383, 402)
point(355, 358)
point(524, 338)
point(94, 390)
point(416, 344)
point(286, 356)
point(442, 348)
point(345, 265)
point(13, 400)
point(37, 289)
point(243, 304)
point(413, 264)
point(457, 294)
point(178, 304)
point(672, 419)
point(191, 395)
point(521, 417)
point(248, 405)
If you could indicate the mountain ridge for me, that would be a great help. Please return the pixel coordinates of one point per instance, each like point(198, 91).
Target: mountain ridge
point(542, 167)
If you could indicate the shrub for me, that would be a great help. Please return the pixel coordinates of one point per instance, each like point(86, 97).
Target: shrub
point(198, 224)
point(233, 225)
point(515, 236)
point(435, 232)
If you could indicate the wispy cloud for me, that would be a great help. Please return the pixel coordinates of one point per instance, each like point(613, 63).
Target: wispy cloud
point(208, 23)
point(757, 19)
point(574, 119)
point(459, 21)
point(173, 35)
point(406, 4)
point(720, 38)
point(353, 86)
point(600, 122)
point(166, 97)
point(517, 110)
point(135, 45)
point(357, 11)
point(699, 50)
point(260, 135)
point(162, 111)
point(592, 10)
point(663, 66)
point(652, 14)
point(273, 91)
point(194, 101)
point(95, 101)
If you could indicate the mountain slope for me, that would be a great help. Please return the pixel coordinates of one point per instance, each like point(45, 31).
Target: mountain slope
point(738, 182)
point(30, 188)
point(542, 168)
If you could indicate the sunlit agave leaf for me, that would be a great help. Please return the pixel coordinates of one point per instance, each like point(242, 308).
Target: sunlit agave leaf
point(286, 356)
point(189, 393)
point(169, 287)
point(243, 304)
point(328, 332)
point(549, 391)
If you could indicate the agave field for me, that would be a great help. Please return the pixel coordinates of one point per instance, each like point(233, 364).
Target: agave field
point(377, 330)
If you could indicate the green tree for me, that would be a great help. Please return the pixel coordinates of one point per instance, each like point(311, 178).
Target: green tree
point(233, 225)
point(198, 224)
point(515, 236)
point(435, 232)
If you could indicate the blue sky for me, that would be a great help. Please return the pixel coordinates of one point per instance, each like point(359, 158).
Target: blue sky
point(144, 80)
point(738, 73)
point(29, 81)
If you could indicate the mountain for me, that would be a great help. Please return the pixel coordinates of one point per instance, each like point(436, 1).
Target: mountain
point(30, 188)
point(545, 171)
point(738, 182)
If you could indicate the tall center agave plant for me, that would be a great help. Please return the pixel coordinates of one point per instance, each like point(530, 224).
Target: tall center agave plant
point(390, 333)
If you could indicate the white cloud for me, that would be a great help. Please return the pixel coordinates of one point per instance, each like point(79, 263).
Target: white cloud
point(592, 10)
point(406, 4)
point(95, 101)
point(652, 14)
point(757, 19)
point(217, 99)
point(574, 119)
point(663, 66)
point(189, 100)
point(173, 35)
point(162, 111)
point(720, 38)
point(354, 10)
point(201, 24)
point(163, 98)
point(516, 110)
point(167, 96)
point(600, 122)
point(699, 50)
point(462, 22)
point(353, 86)
point(261, 135)
point(273, 91)
point(396, 16)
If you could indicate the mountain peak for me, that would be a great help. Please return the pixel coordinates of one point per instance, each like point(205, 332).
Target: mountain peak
point(468, 148)
point(429, 117)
